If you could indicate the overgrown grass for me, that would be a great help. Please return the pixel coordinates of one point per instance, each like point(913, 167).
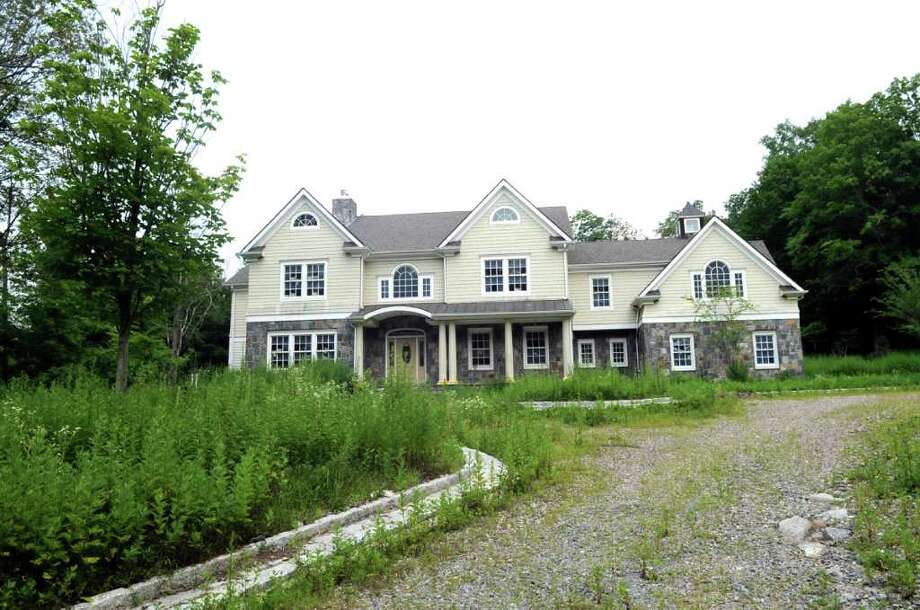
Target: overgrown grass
point(823, 382)
point(887, 491)
point(100, 489)
point(891, 363)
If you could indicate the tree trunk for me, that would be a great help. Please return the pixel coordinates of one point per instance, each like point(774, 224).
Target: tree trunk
point(121, 372)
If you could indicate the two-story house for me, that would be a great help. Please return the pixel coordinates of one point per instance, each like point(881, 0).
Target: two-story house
point(499, 291)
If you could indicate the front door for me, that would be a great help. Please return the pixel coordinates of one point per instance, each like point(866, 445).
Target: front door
point(406, 359)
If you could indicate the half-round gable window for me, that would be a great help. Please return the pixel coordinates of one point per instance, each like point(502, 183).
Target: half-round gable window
point(405, 282)
point(505, 215)
point(718, 279)
point(305, 221)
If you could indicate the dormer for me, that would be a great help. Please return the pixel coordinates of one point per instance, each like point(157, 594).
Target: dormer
point(689, 221)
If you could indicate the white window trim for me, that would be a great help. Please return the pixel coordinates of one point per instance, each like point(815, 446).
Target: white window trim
point(744, 283)
point(775, 364)
point(692, 366)
point(469, 349)
point(625, 362)
point(305, 228)
point(380, 280)
point(534, 329)
point(421, 277)
point(693, 296)
point(517, 215)
point(591, 279)
point(303, 279)
point(593, 353)
point(504, 258)
point(687, 228)
point(290, 335)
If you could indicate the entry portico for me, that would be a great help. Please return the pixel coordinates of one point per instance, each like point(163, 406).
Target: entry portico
point(465, 342)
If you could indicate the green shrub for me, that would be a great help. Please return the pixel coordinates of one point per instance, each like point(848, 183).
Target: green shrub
point(738, 371)
point(891, 363)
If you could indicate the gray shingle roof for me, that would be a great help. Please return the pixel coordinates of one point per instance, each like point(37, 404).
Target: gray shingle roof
point(483, 308)
point(240, 278)
point(690, 211)
point(636, 251)
point(425, 231)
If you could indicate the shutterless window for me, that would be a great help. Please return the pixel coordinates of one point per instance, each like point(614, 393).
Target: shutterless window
point(739, 283)
point(717, 279)
point(405, 283)
point(697, 285)
point(304, 221)
point(600, 292)
point(618, 357)
point(504, 216)
point(691, 225)
point(682, 355)
point(316, 279)
point(289, 349)
point(586, 353)
point(765, 355)
point(480, 345)
point(426, 287)
point(384, 288)
point(494, 275)
point(536, 350)
point(293, 280)
point(517, 275)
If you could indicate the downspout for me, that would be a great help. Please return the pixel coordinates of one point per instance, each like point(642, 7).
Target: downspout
point(638, 316)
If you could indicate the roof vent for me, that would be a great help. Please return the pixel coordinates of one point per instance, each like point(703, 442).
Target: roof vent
point(344, 208)
point(690, 220)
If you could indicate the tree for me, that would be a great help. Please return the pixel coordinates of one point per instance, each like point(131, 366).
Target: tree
point(723, 311)
point(900, 299)
point(128, 213)
point(588, 226)
point(668, 226)
point(836, 200)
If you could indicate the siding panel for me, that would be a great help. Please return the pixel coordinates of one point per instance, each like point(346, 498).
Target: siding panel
point(375, 269)
point(625, 286)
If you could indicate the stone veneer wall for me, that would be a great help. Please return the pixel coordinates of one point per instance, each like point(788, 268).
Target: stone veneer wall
point(257, 338)
point(602, 348)
point(655, 349)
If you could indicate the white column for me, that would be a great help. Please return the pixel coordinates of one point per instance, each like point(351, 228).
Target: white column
point(442, 352)
point(509, 353)
point(452, 352)
point(359, 351)
point(568, 360)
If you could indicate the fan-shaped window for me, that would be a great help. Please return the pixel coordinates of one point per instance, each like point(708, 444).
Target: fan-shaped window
point(305, 221)
point(405, 282)
point(505, 216)
point(718, 279)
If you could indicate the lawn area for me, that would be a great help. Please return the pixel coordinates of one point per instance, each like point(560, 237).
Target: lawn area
point(887, 492)
point(100, 489)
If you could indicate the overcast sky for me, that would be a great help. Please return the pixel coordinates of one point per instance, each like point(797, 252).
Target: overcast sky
point(625, 109)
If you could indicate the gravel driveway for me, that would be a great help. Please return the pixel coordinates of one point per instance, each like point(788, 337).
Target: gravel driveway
point(662, 518)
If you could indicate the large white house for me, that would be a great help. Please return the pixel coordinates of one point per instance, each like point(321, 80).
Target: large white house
point(498, 291)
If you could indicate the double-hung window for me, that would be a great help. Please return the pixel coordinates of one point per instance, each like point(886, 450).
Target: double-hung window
point(683, 356)
point(600, 292)
point(303, 280)
point(586, 353)
point(536, 347)
point(618, 355)
point(765, 353)
point(288, 349)
point(505, 275)
point(480, 349)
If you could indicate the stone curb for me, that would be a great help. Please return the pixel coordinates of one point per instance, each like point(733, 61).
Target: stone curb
point(743, 393)
point(541, 405)
point(181, 581)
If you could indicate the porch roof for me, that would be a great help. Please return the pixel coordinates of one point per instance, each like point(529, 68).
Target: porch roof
point(479, 309)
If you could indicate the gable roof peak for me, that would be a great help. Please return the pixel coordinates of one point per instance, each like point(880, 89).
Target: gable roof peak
point(690, 211)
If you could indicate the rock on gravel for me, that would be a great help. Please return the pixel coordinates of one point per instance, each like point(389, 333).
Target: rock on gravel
point(824, 498)
point(794, 529)
point(837, 534)
point(812, 549)
point(836, 515)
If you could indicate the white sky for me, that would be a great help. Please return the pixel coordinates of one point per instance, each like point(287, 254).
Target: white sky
point(630, 109)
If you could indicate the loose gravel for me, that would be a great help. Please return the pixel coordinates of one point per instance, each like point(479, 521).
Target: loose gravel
point(678, 517)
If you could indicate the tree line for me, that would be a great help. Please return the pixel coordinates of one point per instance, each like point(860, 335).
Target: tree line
point(109, 233)
point(837, 201)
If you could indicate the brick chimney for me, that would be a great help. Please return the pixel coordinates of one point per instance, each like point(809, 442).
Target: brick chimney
point(344, 208)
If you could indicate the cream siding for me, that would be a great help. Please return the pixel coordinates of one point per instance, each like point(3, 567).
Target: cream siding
point(625, 285)
point(762, 288)
point(238, 308)
point(528, 238)
point(425, 266)
point(343, 273)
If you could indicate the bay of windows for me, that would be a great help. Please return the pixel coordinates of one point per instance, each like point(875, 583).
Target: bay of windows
point(505, 275)
point(289, 349)
point(717, 280)
point(405, 283)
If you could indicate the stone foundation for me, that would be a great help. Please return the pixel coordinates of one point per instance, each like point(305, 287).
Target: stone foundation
point(712, 362)
point(602, 348)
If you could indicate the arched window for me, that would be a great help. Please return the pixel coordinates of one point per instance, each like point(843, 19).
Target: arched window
point(304, 221)
point(505, 215)
point(405, 282)
point(718, 279)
